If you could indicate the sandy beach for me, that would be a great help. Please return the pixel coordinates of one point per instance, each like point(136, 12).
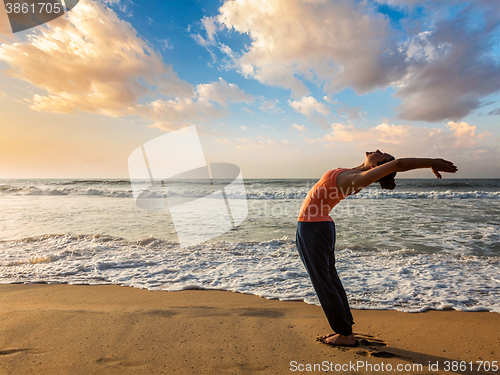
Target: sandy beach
point(72, 329)
point(184, 183)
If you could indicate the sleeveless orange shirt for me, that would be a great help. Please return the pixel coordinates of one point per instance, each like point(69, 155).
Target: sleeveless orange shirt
point(321, 199)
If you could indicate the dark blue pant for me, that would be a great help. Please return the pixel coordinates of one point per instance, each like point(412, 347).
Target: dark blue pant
point(316, 245)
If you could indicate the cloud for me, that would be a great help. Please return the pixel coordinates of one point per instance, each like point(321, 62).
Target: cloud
point(91, 60)
point(270, 105)
point(330, 101)
point(332, 42)
point(172, 114)
point(466, 134)
point(300, 128)
point(442, 68)
point(419, 48)
point(167, 45)
point(345, 145)
point(454, 67)
point(494, 112)
point(223, 92)
point(309, 106)
point(200, 40)
point(383, 133)
point(406, 2)
point(408, 140)
point(210, 26)
point(123, 5)
point(352, 113)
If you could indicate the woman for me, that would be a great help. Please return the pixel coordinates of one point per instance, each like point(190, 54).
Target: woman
point(316, 229)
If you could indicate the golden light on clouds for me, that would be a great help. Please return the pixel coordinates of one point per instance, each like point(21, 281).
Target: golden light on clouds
point(90, 60)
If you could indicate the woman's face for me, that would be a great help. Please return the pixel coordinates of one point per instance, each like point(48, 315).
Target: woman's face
point(374, 158)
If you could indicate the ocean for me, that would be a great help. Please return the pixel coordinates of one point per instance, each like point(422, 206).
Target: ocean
point(429, 244)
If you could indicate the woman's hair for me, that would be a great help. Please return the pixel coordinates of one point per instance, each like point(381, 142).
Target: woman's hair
point(388, 181)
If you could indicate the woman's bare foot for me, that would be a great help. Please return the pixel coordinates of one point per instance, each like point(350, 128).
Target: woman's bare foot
point(326, 336)
point(340, 340)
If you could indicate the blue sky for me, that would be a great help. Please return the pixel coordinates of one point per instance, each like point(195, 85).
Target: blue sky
point(282, 88)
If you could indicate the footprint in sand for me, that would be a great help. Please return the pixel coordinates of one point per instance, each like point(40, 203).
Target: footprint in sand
point(11, 351)
point(114, 361)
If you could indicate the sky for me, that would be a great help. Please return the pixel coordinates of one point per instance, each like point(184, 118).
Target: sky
point(281, 88)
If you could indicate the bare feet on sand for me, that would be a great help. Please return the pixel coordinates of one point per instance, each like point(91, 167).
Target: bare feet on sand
point(326, 336)
point(339, 340)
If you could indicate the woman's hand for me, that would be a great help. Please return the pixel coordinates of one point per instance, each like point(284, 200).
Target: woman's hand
point(441, 165)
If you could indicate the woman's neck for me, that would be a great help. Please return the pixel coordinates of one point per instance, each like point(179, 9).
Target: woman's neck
point(361, 167)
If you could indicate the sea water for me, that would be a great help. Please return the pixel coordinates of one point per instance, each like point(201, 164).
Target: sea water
point(428, 244)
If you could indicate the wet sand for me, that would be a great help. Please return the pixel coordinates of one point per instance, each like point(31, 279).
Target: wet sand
point(73, 329)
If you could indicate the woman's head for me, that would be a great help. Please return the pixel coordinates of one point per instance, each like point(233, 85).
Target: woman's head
point(376, 158)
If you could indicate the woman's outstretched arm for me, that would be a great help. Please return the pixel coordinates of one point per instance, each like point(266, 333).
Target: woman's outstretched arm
point(351, 180)
point(436, 165)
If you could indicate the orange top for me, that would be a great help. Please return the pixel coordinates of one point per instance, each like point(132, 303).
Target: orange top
point(321, 199)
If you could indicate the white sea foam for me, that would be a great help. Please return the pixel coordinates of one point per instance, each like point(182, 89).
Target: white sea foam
point(404, 280)
point(448, 194)
point(44, 190)
point(427, 244)
point(285, 193)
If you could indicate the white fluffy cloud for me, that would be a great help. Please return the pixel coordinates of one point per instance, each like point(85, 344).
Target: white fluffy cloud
point(309, 106)
point(330, 100)
point(223, 92)
point(270, 105)
point(172, 114)
point(301, 128)
point(92, 61)
point(465, 134)
point(211, 27)
point(334, 42)
point(442, 69)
